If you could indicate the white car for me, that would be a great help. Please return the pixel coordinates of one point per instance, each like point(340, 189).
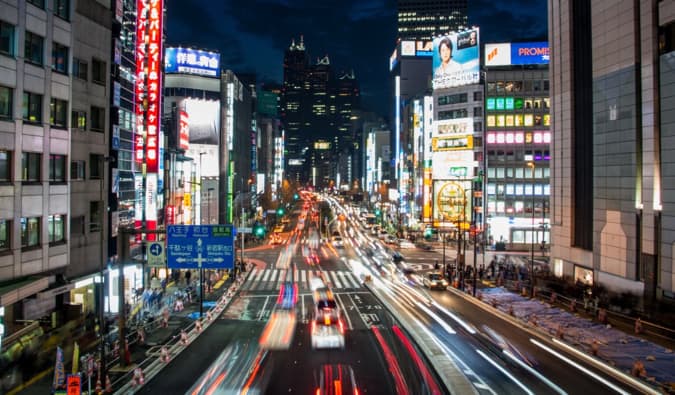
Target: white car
point(405, 244)
point(434, 280)
point(337, 241)
point(327, 333)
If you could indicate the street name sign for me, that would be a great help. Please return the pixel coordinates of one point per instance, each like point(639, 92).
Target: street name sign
point(200, 246)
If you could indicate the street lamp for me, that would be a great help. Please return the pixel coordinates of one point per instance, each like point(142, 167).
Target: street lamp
point(531, 166)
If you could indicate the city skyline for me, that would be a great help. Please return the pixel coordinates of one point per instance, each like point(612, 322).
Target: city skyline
point(253, 36)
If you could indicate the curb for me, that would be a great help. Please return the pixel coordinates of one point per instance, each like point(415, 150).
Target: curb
point(452, 376)
point(156, 365)
point(559, 344)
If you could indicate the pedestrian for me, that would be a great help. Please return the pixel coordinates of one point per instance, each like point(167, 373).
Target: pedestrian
point(188, 275)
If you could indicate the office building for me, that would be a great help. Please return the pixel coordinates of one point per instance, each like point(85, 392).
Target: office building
point(35, 151)
point(612, 78)
point(517, 142)
point(422, 20)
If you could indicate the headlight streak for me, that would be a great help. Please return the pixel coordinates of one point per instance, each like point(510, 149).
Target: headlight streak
point(504, 372)
point(641, 386)
point(579, 367)
point(452, 315)
point(452, 356)
point(535, 373)
point(436, 318)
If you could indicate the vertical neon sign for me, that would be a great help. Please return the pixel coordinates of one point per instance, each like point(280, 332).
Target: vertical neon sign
point(148, 91)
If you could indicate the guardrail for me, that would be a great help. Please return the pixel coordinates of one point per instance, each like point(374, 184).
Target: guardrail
point(154, 363)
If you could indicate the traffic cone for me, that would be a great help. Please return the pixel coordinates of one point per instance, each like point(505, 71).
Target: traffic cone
point(99, 386)
point(108, 385)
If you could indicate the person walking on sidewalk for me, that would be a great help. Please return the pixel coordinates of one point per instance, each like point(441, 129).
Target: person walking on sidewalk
point(188, 275)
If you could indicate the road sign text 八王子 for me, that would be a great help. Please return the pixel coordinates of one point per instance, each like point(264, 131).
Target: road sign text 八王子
point(200, 246)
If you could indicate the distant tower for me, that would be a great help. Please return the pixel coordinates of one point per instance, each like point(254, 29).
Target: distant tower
point(296, 64)
point(424, 19)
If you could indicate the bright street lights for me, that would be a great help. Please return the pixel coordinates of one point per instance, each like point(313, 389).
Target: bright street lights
point(531, 166)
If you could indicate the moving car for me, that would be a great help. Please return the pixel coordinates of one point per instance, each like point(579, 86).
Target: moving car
point(327, 328)
point(337, 241)
point(434, 280)
point(336, 379)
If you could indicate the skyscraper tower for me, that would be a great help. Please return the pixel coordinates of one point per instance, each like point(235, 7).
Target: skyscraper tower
point(424, 19)
point(293, 99)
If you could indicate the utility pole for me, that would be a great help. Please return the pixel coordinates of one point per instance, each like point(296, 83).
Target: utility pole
point(123, 258)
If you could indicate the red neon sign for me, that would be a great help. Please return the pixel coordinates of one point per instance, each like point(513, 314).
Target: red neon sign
point(148, 86)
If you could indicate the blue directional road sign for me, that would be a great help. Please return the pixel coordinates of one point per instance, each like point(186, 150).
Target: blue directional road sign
point(200, 246)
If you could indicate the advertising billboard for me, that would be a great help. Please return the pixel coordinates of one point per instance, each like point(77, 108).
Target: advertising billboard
point(456, 59)
point(452, 203)
point(183, 130)
point(507, 54)
point(444, 162)
point(148, 101)
point(203, 120)
point(191, 61)
point(417, 48)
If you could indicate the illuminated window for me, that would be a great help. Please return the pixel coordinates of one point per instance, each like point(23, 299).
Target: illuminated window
point(529, 120)
point(500, 172)
point(499, 103)
point(537, 120)
point(538, 138)
point(547, 103)
point(56, 226)
point(519, 189)
point(509, 189)
point(547, 120)
point(492, 206)
point(500, 121)
point(509, 103)
point(538, 190)
point(509, 120)
point(528, 138)
point(490, 103)
point(519, 137)
point(32, 107)
point(536, 103)
point(518, 103)
point(491, 138)
point(500, 138)
point(509, 138)
point(518, 206)
point(500, 207)
point(30, 232)
point(518, 120)
point(491, 121)
point(491, 189)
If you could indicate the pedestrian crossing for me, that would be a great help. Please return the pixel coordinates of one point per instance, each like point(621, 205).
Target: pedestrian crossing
point(271, 279)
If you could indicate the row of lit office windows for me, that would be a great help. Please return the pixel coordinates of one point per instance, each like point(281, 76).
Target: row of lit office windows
point(31, 167)
point(517, 120)
point(517, 103)
point(31, 232)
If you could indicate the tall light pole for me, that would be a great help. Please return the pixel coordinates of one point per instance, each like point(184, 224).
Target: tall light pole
point(201, 269)
point(209, 197)
point(531, 166)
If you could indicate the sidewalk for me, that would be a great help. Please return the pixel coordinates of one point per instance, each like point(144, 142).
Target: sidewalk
point(42, 383)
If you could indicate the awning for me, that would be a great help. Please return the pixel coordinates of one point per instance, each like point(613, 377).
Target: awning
point(14, 291)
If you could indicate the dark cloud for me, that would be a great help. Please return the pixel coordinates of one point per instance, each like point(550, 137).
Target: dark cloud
point(357, 35)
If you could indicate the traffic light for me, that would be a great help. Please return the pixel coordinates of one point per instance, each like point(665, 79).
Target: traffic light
point(296, 196)
point(280, 211)
point(428, 233)
point(378, 212)
point(259, 231)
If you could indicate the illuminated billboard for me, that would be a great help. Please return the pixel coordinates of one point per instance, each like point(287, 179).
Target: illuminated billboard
point(417, 48)
point(444, 162)
point(452, 203)
point(507, 54)
point(203, 120)
point(192, 61)
point(321, 145)
point(148, 104)
point(183, 130)
point(456, 59)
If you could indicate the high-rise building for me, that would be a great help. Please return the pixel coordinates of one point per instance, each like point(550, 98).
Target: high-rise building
point(35, 98)
point(516, 144)
point(612, 212)
point(293, 101)
point(90, 150)
point(422, 20)
point(315, 104)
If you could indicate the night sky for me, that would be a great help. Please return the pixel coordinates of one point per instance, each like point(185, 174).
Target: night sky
point(359, 35)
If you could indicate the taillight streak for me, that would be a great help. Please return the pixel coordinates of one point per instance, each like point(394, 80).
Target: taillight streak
point(394, 368)
point(418, 361)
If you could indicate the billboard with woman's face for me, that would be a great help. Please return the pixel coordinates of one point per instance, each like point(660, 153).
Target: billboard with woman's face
point(456, 59)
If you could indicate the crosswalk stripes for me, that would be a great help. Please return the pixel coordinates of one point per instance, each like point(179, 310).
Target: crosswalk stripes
point(271, 279)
